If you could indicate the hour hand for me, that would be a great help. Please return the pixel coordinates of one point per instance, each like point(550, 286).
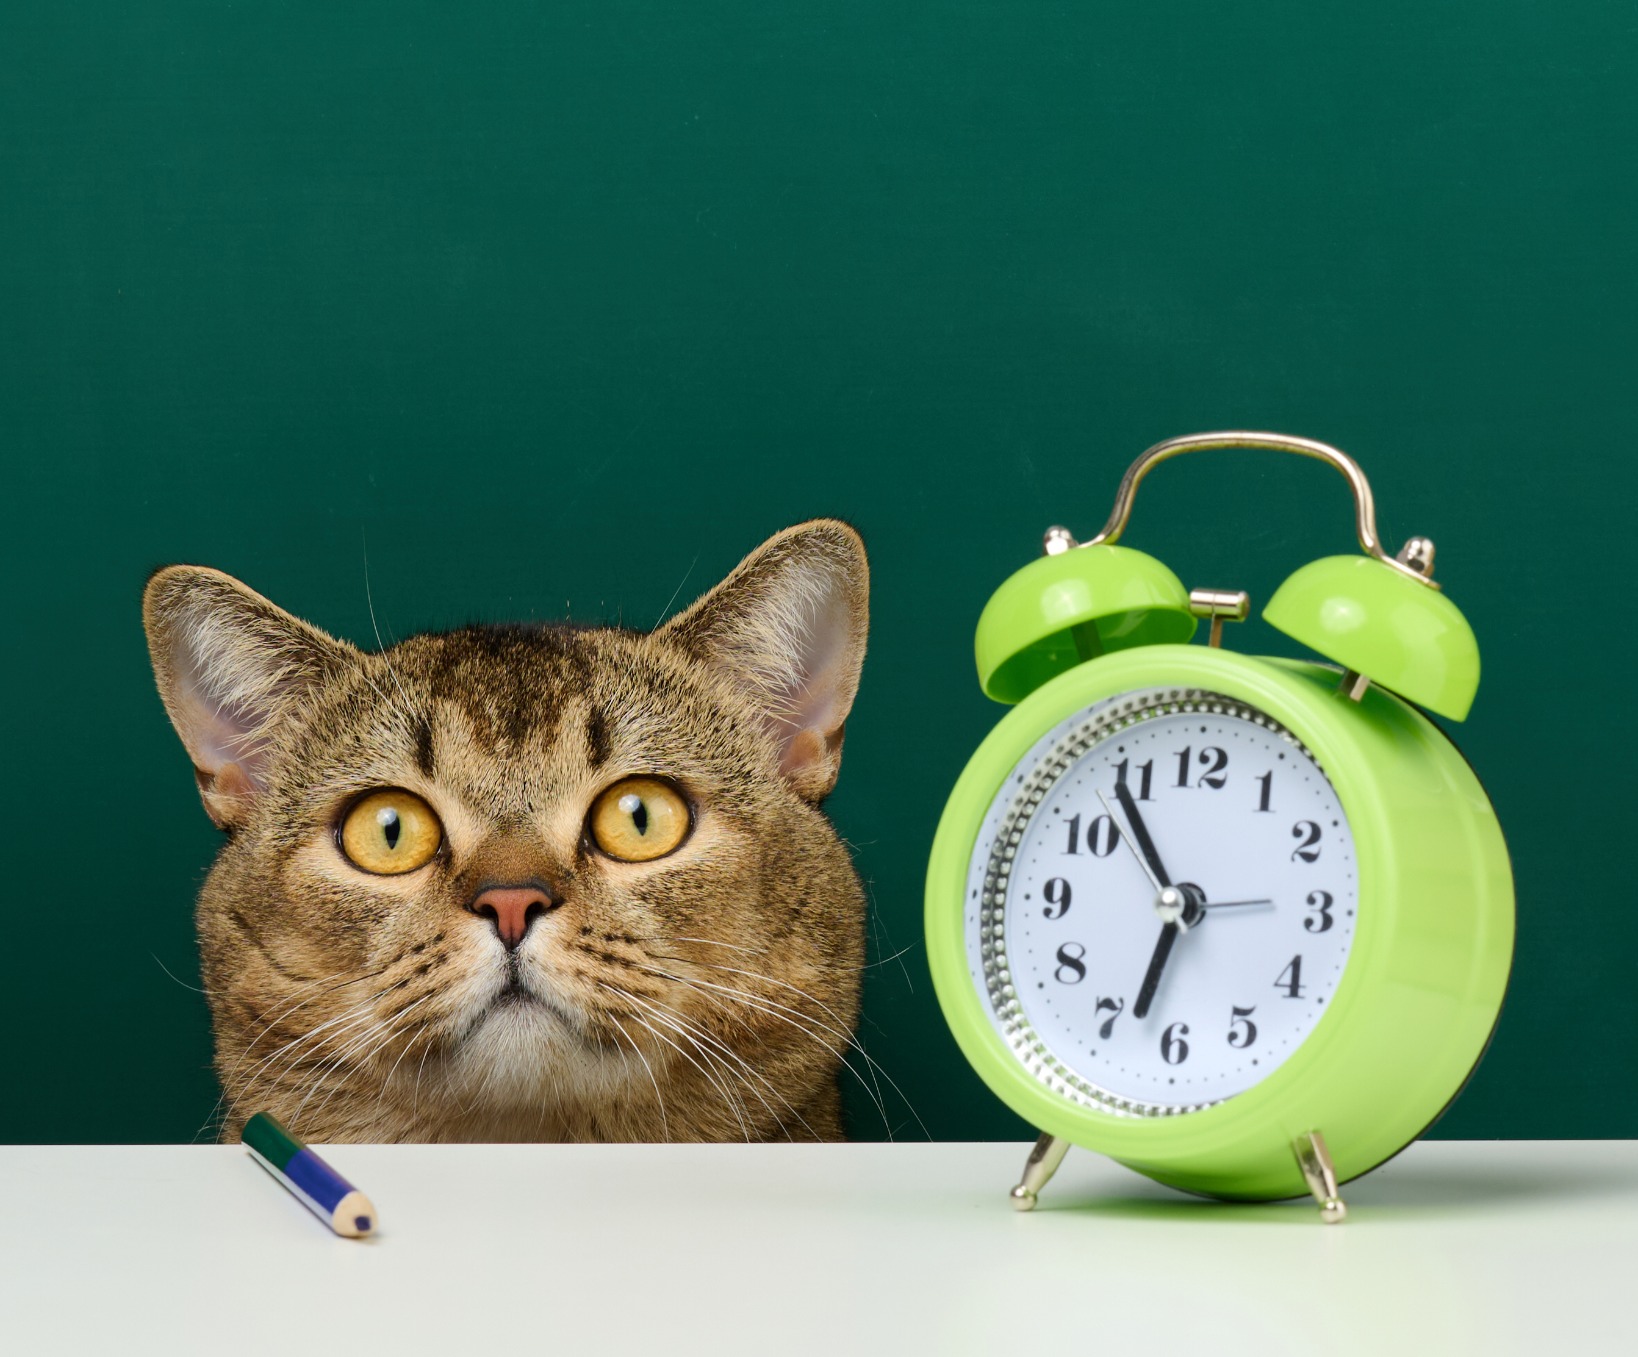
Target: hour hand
point(1157, 964)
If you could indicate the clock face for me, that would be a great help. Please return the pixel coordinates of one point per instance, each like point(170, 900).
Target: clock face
point(1161, 903)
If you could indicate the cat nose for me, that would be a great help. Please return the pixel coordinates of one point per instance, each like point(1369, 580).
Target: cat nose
point(511, 909)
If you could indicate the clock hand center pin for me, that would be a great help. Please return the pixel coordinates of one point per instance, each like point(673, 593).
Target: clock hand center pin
point(1183, 904)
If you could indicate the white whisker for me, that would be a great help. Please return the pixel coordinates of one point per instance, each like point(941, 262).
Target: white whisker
point(185, 985)
point(712, 942)
point(381, 649)
point(665, 611)
point(362, 1049)
point(841, 1029)
point(229, 1077)
point(680, 1023)
point(665, 1128)
point(779, 1012)
point(727, 1094)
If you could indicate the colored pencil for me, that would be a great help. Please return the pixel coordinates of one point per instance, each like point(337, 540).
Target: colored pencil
point(310, 1180)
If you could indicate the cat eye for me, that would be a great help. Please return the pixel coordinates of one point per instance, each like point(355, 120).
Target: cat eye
point(390, 832)
point(639, 819)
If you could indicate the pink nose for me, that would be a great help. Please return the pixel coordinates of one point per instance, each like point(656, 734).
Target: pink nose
point(511, 909)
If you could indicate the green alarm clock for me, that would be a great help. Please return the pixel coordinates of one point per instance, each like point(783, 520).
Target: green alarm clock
point(1243, 924)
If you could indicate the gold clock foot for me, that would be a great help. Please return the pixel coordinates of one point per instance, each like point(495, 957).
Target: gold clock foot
point(1042, 1163)
point(1315, 1162)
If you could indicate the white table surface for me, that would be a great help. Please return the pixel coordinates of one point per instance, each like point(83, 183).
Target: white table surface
point(1455, 1247)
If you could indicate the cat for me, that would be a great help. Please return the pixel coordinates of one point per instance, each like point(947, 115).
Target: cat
point(544, 882)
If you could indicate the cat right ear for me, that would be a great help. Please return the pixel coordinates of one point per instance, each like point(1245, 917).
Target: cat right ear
point(230, 665)
point(788, 627)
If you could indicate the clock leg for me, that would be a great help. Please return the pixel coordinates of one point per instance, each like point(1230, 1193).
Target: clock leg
point(1315, 1162)
point(1042, 1163)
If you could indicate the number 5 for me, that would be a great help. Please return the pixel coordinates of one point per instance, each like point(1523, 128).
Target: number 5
point(1241, 1026)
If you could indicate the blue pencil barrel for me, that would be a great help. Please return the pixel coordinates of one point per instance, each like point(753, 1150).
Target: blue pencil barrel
point(308, 1178)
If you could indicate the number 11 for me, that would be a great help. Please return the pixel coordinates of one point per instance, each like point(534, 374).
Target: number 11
point(1146, 771)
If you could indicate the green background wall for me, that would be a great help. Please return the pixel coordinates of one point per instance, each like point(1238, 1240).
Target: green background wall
point(559, 308)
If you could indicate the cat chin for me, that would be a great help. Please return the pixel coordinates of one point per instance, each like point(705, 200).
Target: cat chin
point(521, 1050)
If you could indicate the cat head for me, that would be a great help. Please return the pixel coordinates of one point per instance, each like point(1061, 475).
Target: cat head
point(529, 881)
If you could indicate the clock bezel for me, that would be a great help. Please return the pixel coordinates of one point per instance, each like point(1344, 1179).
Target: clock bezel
point(1035, 778)
point(1427, 967)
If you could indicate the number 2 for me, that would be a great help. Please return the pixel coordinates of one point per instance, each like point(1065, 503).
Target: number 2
point(1308, 849)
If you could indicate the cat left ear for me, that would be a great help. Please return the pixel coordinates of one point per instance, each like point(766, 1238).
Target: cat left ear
point(230, 666)
point(788, 627)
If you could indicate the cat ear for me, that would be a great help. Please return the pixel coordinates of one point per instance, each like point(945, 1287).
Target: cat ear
point(788, 627)
point(230, 665)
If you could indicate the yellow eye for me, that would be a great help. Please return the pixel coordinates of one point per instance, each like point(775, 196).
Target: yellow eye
point(639, 819)
point(390, 832)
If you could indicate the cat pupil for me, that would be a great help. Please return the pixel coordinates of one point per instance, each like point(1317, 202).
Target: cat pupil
point(391, 826)
point(633, 806)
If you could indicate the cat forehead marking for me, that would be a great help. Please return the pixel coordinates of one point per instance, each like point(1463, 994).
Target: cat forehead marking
point(511, 714)
point(511, 682)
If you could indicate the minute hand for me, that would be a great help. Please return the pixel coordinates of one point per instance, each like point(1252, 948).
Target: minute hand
point(1140, 833)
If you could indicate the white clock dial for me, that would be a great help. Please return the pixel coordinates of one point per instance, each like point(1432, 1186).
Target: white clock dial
point(1161, 904)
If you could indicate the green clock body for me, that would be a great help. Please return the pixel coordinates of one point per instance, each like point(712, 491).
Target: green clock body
point(1417, 991)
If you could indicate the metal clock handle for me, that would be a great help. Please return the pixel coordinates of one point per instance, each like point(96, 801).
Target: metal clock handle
point(1415, 560)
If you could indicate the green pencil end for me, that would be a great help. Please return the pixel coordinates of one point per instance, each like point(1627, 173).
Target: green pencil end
point(265, 1134)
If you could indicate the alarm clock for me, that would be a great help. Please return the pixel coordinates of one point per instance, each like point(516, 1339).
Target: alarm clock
point(1241, 923)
